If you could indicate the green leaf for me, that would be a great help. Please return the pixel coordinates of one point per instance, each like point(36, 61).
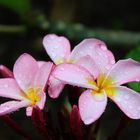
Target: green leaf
point(135, 54)
point(19, 6)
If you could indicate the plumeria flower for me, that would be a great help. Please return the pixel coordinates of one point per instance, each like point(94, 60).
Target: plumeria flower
point(27, 87)
point(58, 48)
point(93, 101)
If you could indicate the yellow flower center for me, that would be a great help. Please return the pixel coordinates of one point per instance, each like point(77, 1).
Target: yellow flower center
point(61, 61)
point(32, 95)
point(103, 84)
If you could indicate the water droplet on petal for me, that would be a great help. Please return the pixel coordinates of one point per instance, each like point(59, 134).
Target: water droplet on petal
point(112, 61)
point(62, 69)
point(107, 67)
point(84, 103)
point(51, 95)
point(127, 97)
point(130, 107)
point(59, 39)
point(56, 46)
point(5, 85)
point(103, 47)
point(52, 37)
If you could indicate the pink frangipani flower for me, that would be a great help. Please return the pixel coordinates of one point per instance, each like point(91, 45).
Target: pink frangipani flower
point(93, 101)
point(58, 48)
point(27, 86)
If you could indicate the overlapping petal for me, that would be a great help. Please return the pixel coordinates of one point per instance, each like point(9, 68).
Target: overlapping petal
point(10, 89)
point(57, 47)
point(97, 50)
point(55, 87)
point(90, 107)
point(88, 63)
point(74, 75)
point(128, 101)
point(11, 106)
point(25, 70)
point(125, 71)
point(42, 75)
point(41, 103)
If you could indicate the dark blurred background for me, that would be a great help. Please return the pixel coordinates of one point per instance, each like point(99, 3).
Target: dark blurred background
point(24, 23)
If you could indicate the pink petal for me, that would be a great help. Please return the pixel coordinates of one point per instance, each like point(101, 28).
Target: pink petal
point(41, 103)
point(97, 50)
point(90, 107)
point(25, 70)
point(125, 71)
point(88, 63)
point(128, 101)
point(11, 106)
point(10, 89)
point(57, 47)
point(73, 75)
point(29, 111)
point(43, 74)
point(40, 63)
point(55, 87)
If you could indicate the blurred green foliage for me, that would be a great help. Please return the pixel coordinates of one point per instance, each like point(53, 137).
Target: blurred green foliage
point(32, 19)
point(19, 6)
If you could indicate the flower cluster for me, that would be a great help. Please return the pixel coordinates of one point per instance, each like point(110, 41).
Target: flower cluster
point(90, 65)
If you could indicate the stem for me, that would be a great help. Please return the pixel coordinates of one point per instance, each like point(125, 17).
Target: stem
point(40, 124)
point(12, 28)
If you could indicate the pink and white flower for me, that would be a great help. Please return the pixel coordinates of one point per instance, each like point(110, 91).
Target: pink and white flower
point(58, 48)
point(93, 101)
point(27, 87)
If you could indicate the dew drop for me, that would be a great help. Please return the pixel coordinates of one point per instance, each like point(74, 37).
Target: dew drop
point(107, 67)
point(51, 95)
point(62, 69)
point(56, 46)
point(127, 97)
point(130, 107)
point(103, 47)
point(112, 61)
point(52, 37)
point(5, 85)
point(84, 103)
